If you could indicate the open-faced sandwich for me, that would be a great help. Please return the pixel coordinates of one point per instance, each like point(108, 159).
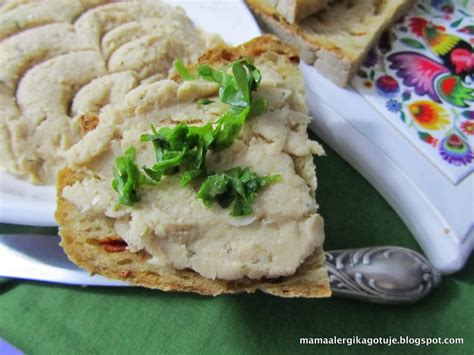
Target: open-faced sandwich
point(203, 182)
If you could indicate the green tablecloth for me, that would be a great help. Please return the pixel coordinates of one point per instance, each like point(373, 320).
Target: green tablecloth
point(52, 319)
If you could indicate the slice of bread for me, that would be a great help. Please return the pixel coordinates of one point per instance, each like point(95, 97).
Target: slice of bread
point(295, 10)
point(92, 241)
point(335, 40)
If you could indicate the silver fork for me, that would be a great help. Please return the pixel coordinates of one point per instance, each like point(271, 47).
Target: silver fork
point(384, 274)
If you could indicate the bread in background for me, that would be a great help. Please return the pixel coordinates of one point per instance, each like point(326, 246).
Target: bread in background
point(336, 39)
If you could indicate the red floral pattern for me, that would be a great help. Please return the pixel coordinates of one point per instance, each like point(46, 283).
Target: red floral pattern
point(424, 75)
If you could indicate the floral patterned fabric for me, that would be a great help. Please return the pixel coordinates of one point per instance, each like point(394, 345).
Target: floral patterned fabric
point(420, 76)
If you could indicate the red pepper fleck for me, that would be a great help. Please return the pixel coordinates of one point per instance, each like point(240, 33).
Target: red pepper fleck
point(113, 245)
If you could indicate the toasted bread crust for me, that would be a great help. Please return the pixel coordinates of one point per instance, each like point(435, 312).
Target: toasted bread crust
point(89, 122)
point(252, 48)
point(257, 46)
point(86, 240)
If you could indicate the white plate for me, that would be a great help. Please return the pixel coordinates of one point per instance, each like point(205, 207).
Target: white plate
point(439, 213)
point(23, 203)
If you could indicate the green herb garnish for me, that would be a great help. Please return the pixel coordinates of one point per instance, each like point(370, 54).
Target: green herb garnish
point(236, 188)
point(182, 70)
point(128, 178)
point(228, 127)
point(182, 149)
point(204, 101)
point(235, 89)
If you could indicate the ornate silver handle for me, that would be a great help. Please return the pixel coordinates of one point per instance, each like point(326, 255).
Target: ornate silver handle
point(381, 274)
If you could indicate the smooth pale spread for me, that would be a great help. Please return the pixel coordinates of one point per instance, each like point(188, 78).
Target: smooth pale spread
point(60, 60)
point(169, 222)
